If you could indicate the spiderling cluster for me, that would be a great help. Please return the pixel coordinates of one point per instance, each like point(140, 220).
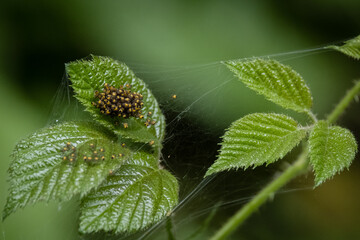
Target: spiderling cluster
point(90, 154)
point(95, 155)
point(69, 152)
point(119, 102)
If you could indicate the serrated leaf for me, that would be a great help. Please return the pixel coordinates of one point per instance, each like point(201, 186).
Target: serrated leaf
point(277, 82)
point(136, 196)
point(41, 169)
point(350, 48)
point(257, 139)
point(88, 76)
point(332, 149)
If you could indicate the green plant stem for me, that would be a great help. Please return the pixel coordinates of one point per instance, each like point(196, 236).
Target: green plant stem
point(169, 228)
point(340, 107)
point(242, 214)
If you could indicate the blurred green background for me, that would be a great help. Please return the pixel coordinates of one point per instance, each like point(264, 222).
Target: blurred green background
point(176, 46)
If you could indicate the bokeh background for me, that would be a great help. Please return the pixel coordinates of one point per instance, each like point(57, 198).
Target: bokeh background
point(176, 46)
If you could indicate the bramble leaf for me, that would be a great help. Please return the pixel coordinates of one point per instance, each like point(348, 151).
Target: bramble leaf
point(257, 139)
point(350, 48)
point(332, 149)
point(50, 165)
point(277, 82)
point(88, 76)
point(134, 197)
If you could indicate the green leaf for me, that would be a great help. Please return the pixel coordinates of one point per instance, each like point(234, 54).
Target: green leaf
point(277, 82)
point(39, 171)
point(332, 149)
point(136, 196)
point(350, 48)
point(257, 139)
point(88, 76)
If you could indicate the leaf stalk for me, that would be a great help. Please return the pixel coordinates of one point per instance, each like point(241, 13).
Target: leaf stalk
point(312, 116)
point(344, 103)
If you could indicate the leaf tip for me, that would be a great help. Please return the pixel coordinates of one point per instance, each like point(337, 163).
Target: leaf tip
point(5, 214)
point(209, 172)
point(318, 182)
point(350, 48)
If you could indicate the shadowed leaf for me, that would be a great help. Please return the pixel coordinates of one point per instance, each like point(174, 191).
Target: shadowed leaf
point(134, 197)
point(88, 76)
point(50, 163)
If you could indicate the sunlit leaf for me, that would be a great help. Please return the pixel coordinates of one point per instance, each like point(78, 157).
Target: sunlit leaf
point(277, 82)
point(134, 197)
point(350, 48)
point(88, 76)
point(257, 139)
point(332, 149)
point(50, 163)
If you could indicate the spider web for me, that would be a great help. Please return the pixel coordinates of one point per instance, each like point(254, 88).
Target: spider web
point(192, 141)
point(208, 99)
